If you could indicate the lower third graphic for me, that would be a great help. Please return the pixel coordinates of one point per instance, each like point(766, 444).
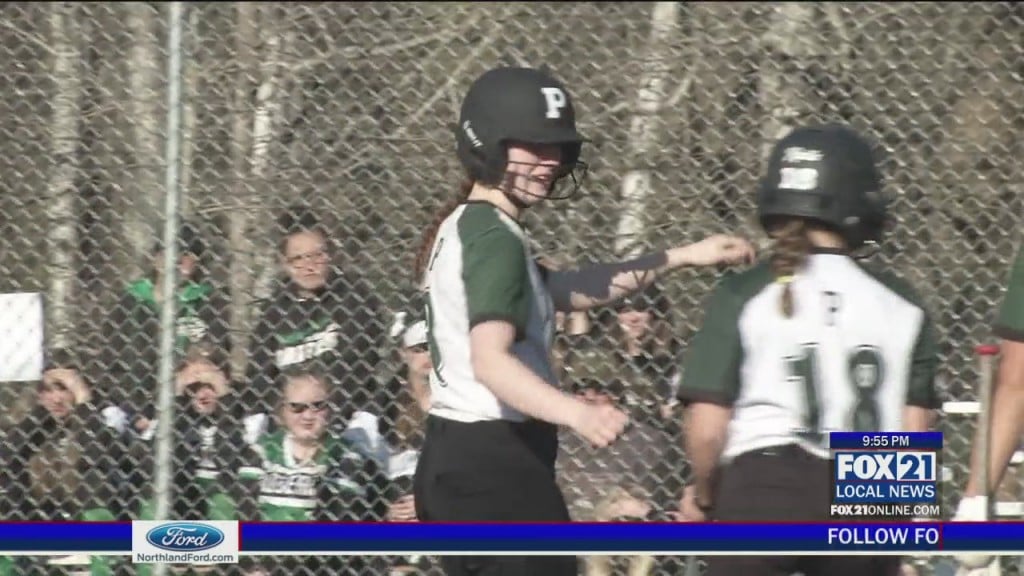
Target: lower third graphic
point(155, 542)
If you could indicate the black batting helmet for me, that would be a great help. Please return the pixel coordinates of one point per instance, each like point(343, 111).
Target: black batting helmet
point(513, 104)
point(825, 173)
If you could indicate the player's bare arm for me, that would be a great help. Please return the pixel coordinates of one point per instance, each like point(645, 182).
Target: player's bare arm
point(706, 428)
point(599, 284)
point(510, 380)
point(1007, 418)
point(516, 385)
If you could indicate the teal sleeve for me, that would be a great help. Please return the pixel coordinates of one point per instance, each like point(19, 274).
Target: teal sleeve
point(921, 390)
point(711, 365)
point(1010, 323)
point(496, 280)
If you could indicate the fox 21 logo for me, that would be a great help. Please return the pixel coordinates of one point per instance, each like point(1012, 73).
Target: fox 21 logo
point(883, 466)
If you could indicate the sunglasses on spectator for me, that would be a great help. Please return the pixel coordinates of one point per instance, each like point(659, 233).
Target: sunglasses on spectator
point(300, 407)
point(315, 256)
point(194, 387)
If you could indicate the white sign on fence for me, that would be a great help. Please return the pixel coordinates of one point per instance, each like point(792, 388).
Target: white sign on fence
point(21, 337)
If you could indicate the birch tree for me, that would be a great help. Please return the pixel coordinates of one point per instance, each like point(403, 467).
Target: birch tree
point(252, 263)
point(237, 220)
point(644, 128)
point(789, 41)
point(188, 109)
point(266, 118)
point(61, 231)
point(141, 209)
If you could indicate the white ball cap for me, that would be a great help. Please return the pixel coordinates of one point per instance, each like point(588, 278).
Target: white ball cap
point(415, 334)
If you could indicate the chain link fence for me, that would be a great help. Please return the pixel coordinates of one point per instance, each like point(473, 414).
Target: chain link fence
point(316, 145)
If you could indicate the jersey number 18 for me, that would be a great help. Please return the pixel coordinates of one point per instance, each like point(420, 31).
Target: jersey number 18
point(864, 369)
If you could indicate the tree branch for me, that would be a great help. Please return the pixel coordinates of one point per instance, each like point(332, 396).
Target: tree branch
point(354, 52)
point(837, 22)
point(682, 90)
point(39, 42)
point(455, 75)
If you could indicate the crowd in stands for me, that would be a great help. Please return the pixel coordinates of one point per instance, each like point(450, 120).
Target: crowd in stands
point(326, 422)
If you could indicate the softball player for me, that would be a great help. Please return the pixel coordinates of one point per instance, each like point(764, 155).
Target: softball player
point(807, 342)
point(491, 441)
point(1007, 408)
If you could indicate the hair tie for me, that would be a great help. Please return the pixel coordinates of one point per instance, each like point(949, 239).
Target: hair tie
point(785, 279)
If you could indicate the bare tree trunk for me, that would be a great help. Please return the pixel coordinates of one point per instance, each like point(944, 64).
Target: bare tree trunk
point(643, 133)
point(253, 264)
point(188, 110)
point(61, 232)
point(141, 208)
point(264, 128)
point(240, 243)
point(788, 42)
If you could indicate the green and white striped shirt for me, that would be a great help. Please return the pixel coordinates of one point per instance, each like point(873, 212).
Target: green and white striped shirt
point(291, 491)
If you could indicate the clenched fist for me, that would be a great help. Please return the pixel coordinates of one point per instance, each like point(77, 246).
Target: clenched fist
point(600, 423)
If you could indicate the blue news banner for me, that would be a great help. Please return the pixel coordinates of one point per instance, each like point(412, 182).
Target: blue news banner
point(582, 538)
point(886, 475)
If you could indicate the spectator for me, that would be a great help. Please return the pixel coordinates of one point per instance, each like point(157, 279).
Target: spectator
point(131, 357)
point(571, 334)
point(317, 313)
point(409, 395)
point(616, 483)
point(571, 329)
point(646, 347)
point(620, 505)
point(60, 463)
point(398, 435)
point(208, 440)
point(639, 477)
point(646, 359)
point(303, 472)
point(208, 445)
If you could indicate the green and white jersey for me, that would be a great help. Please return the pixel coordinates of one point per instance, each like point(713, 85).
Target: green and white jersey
point(292, 491)
point(481, 269)
point(1010, 324)
point(858, 348)
point(207, 470)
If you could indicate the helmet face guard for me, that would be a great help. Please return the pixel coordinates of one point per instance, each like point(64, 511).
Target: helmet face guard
point(518, 105)
point(566, 183)
point(826, 174)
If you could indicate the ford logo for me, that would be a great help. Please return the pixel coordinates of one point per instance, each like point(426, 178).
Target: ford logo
point(184, 537)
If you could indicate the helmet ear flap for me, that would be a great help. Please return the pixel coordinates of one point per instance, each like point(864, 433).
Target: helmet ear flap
point(483, 162)
point(765, 197)
point(495, 163)
point(571, 152)
point(876, 215)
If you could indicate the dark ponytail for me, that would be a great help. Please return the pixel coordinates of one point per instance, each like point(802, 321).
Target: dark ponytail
point(430, 234)
point(792, 247)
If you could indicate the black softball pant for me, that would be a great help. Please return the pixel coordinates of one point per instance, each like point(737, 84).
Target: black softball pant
point(492, 471)
point(784, 483)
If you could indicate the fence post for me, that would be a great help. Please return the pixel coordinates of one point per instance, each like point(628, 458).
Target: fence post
point(168, 310)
